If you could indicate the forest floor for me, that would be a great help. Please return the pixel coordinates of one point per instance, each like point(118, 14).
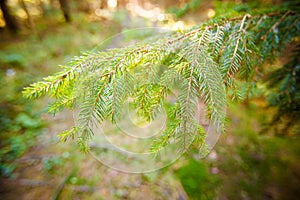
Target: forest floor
point(53, 170)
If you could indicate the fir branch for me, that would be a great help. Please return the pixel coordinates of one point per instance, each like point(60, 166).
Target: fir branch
point(98, 96)
point(236, 58)
point(200, 64)
point(52, 84)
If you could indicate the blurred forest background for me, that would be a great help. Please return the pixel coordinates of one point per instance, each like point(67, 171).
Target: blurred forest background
point(252, 160)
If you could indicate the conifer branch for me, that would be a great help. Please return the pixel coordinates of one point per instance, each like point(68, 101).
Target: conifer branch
point(206, 63)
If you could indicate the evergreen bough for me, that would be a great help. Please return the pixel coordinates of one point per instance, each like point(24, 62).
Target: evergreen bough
point(218, 59)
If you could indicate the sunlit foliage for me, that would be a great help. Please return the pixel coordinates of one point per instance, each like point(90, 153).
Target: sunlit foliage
point(207, 63)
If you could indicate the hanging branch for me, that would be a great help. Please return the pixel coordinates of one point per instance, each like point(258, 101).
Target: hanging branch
point(201, 63)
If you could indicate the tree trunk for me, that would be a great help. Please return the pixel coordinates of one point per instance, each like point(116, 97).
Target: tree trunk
point(122, 3)
point(42, 7)
point(52, 3)
point(29, 19)
point(10, 21)
point(103, 4)
point(66, 10)
point(84, 6)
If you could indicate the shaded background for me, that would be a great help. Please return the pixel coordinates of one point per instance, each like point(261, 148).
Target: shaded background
point(253, 160)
